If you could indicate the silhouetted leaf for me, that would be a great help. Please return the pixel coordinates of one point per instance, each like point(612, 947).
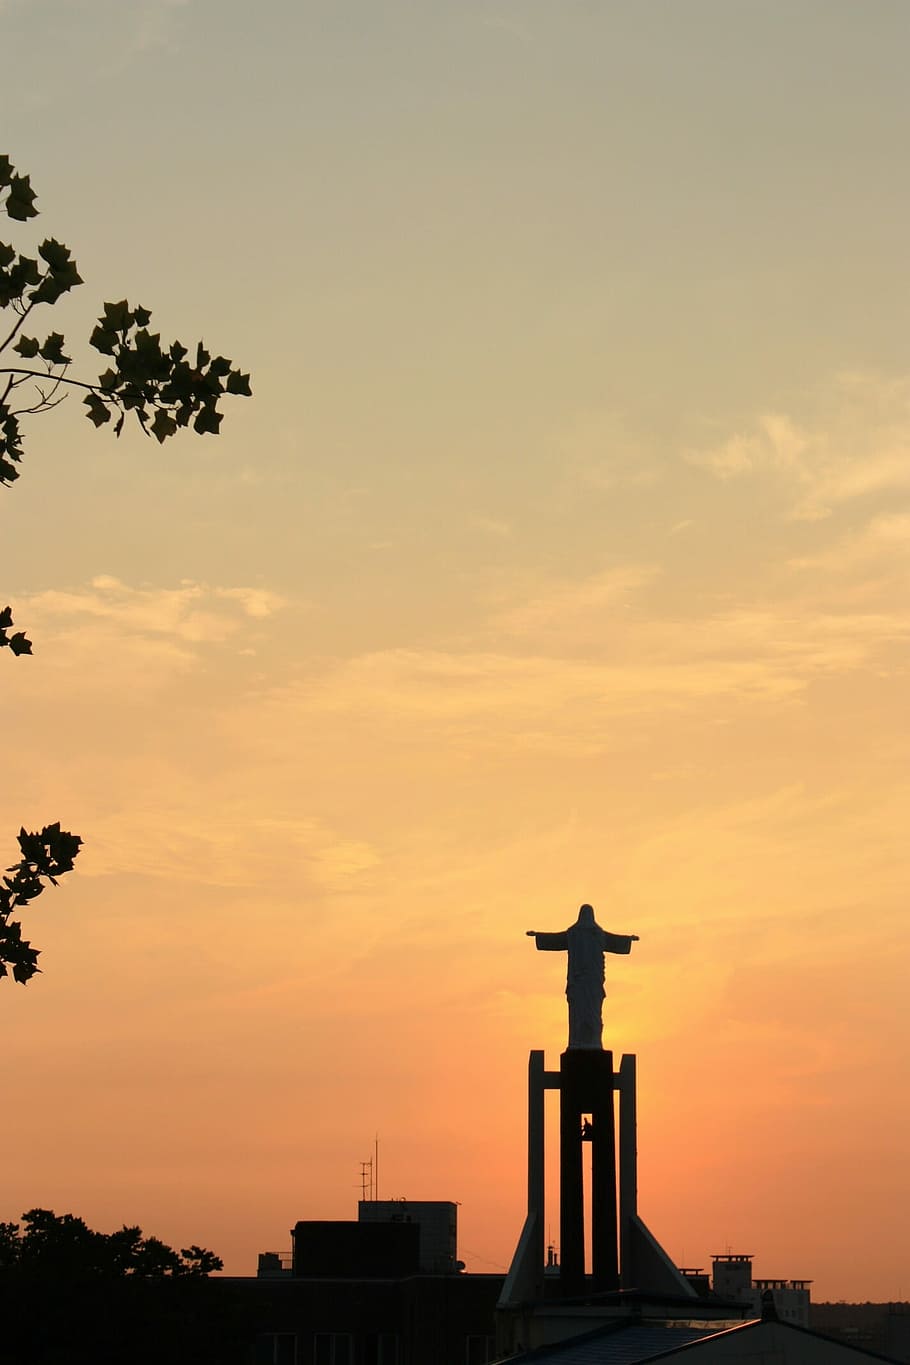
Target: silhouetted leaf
point(117, 316)
point(55, 253)
point(20, 199)
point(98, 411)
point(207, 421)
point(103, 339)
point(53, 286)
point(239, 383)
point(52, 350)
point(163, 426)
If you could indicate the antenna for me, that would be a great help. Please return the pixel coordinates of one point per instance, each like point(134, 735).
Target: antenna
point(375, 1166)
point(366, 1179)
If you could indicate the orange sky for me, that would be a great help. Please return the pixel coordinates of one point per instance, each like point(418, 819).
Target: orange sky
point(561, 555)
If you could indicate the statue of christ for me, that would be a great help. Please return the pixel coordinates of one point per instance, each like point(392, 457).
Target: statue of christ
point(585, 942)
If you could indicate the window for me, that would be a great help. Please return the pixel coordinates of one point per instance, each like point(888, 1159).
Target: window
point(332, 1348)
point(478, 1350)
point(380, 1348)
point(275, 1348)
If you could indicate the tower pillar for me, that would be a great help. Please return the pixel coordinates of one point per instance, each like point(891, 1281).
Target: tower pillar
point(586, 1119)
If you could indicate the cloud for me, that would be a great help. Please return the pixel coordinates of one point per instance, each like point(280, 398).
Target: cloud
point(492, 526)
point(113, 637)
point(549, 700)
point(191, 613)
point(255, 601)
point(567, 669)
point(606, 452)
point(856, 446)
point(220, 839)
point(882, 541)
point(564, 605)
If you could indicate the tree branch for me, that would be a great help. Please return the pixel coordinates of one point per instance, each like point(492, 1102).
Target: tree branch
point(38, 374)
point(12, 334)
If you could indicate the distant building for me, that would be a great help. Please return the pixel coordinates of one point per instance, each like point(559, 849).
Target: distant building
point(882, 1327)
point(387, 1289)
point(437, 1222)
point(732, 1279)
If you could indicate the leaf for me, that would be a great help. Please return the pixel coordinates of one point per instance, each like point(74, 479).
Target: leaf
point(24, 971)
point(239, 383)
point(27, 347)
point(20, 199)
point(52, 350)
point(62, 273)
point(24, 272)
point(207, 421)
point(6, 618)
point(8, 472)
point(98, 411)
point(163, 426)
point(55, 253)
point(6, 171)
point(148, 346)
point(117, 316)
point(19, 643)
point(49, 290)
point(143, 316)
point(103, 339)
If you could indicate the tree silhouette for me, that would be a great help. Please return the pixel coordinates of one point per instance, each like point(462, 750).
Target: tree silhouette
point(163, 387)
point(70, 1294)
point(53, 1245)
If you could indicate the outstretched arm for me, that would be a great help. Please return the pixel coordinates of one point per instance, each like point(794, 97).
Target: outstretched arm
point(618, 943)
point(551, 943)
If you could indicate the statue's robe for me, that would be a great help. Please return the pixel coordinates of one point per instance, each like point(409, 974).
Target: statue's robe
point(585, 944)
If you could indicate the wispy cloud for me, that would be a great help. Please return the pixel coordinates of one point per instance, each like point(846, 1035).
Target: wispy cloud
point(604, 451)
point(214, 838)
point(882, 542)
point(193, 613)
point(493, 526)
point(857, 445)
point(563, 606)
point(111, 635)
point(570, 705)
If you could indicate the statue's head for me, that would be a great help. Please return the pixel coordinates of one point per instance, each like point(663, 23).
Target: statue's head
point(586, 916)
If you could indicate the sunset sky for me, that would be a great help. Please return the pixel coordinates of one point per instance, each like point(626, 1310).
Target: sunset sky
point(561, 555)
